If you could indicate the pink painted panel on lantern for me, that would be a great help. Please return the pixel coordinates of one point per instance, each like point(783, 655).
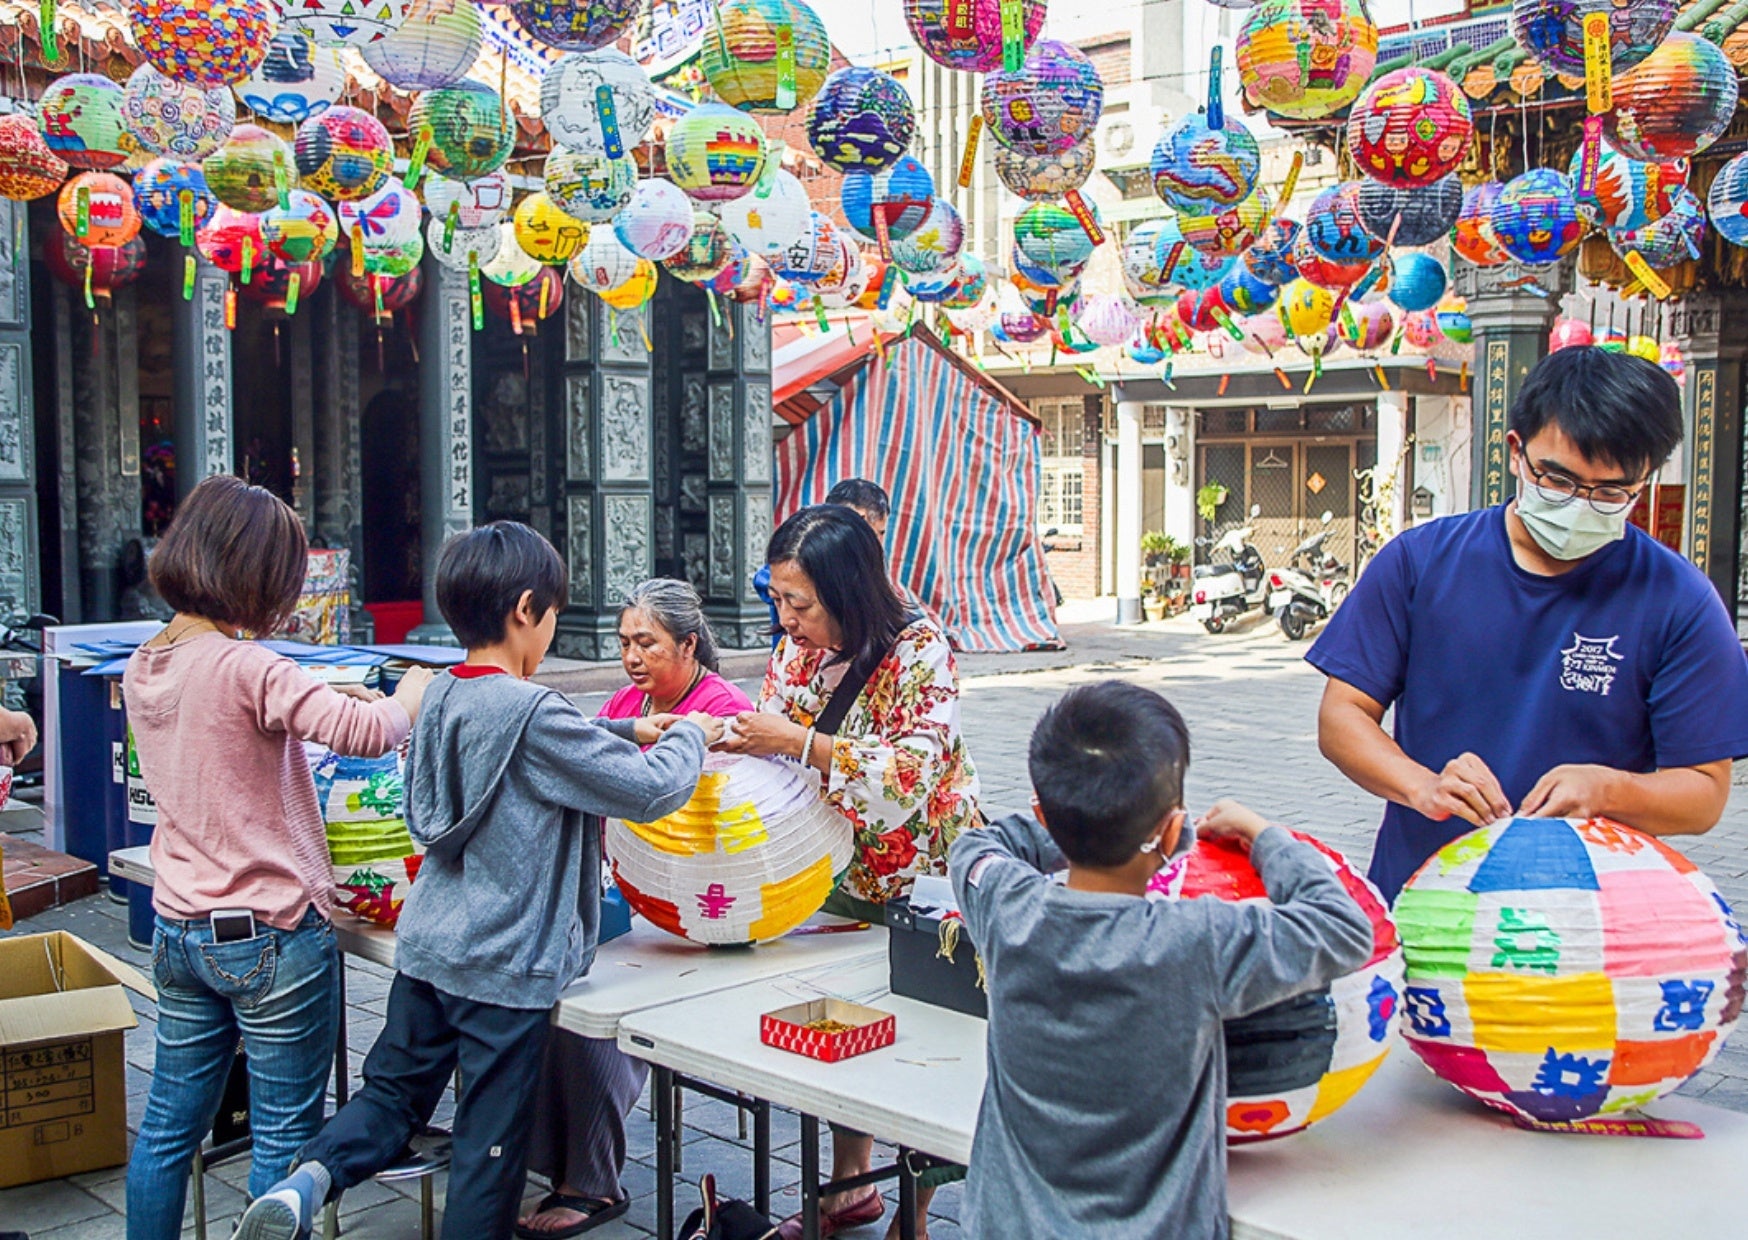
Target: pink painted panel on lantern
point(1657, 924)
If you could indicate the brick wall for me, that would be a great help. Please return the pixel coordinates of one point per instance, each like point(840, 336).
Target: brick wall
point(1076, 563)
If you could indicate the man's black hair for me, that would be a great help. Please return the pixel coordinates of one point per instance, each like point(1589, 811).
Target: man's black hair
point(1614, 407)
point(1107, 763)
point(862, 495)
point(481, 576)
point(840, 554)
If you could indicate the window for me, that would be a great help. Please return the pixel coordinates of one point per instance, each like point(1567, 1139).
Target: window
point(1060, 432)
point(1059, 426)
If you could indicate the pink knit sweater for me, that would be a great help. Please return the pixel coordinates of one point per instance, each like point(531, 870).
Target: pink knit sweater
point(219, 726)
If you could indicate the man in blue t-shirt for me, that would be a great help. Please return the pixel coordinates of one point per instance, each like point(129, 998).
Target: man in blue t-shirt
point(1543, 657)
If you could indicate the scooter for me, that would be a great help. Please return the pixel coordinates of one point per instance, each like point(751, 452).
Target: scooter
point(1221, 592)
point(1311, 586)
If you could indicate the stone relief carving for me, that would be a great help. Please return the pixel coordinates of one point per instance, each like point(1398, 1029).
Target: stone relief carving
point(537, 430)
point(755, 341)
point(577, 551)
point(15, 555)
point(510, 495)
point(622, 335)
point(758, 509)
point(721, 356)
point(692, 333)
point(14, 288)
point(576, 330)
point(576, 428)
point(721, 545)
point(14, 402)
point(756, 451)
point(692, 488)
point(625, 446)
point(627, 522)
point(696, 556)
point(693, 428)
point(665, 518)
point(722, 431)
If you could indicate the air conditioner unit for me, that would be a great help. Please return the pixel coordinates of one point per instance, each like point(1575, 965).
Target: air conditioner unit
point(1116, 137)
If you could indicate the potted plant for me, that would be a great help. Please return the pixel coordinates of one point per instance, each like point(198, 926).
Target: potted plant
point(1153, 603)
point(1177, 554)
point(1208, 501)
point(1156, 548)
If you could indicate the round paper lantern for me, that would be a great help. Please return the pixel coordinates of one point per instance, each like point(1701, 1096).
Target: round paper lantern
point(111, 268)
point(747, 279)
point(1454, 324)
point(635, 291)
point(1196, 168)
point(903, 193)
point(511, 265)
point(386, 219)
point(471, 135)
point(1417, 281)
point(739, 56)
point(297, 79)
point(1107, 319)
point(1335, 229)
point(1144, 354)
point(603, 262)
point(1290, 1065)
point(1028, 274)
point(810, 257)
point(529, 303)
point(766, 225)
point(1367, 326)
point(1036, 177)
point(1674, 103)
point(246, 171)
point(1559, 969)
point(547, 234)
point(1628, 193)
point(1325, 272)
point(462, 249)
point(158, 191)
point(1143, 264)
point(1612, 341)
point(1051, 238)
point(28, 168)
point(1305, 309)
point(967, 35)
point(570, 101)
point(107, 203)
point(202, 43)
point(1552, 31)
point(1306, 58)
point(1536, 219)
point(306, 230)
point(1410, 127)
point(699, 874)
point(862, 120)
point(593, 188)
point(1193, 269)
point(858, 275)
point(80, 118)
point(1671, 360)
point(1671, 238)
point(394, 259)
point(167, 117)
point(1246, 293)
point(1418, 215)
point(1052, 102)
point(657, 221)
point(934, 288)
point(1270, 257)
point(434, 47)
point(480, 203)
point(353, 23)
point(1475, 239)
point(976, 319)
point(935, 244)
point(1727, 202)
point(1644, 348)
point(271, 286)
point(396, 292)
point(1022, 327)
point(706, 252)
point(1263, 334)
point(968, 290)
point(1227, 231)
point(715, 153)
point(1202, 311)
point(576, 25)
point(343, 154)
point(230, 238)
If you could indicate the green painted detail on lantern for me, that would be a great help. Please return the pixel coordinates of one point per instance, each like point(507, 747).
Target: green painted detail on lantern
point(1436, 927)
point(1524, 940)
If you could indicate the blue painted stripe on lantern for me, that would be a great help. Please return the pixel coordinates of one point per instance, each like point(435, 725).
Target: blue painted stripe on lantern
point(1535, 854)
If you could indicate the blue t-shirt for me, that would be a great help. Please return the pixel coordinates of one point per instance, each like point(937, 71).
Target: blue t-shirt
point(1627, 661)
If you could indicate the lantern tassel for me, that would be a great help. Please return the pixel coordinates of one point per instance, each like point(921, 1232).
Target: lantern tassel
point(188, 277)
point(1165, 377)
point(416, 163)
point(608, 111)
point(358, 251)
point(1216, 110)
point(230, 306)
point(248, 259)
point(968, 161)
point(1084, 217)
point(785, 67)
point(1290, 184)
point(51, 50)
point(1654, 283)
point(281, 180)
point(1013, 36)
point(82, 212)
point(185, 216)
point(1598, 88)
point(292, 286)
point(515, 313)
point(1224, 380)
point(475, 298)
point(90, 298)
point(1282, 376)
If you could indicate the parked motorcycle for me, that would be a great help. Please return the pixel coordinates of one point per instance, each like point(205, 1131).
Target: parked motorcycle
point(1310, 587)
point(1221, 592)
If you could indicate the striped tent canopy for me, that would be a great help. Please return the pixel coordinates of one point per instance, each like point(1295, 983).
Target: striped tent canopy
point(959, 456)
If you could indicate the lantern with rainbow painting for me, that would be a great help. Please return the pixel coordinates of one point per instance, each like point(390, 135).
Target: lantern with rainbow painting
point(1306, 59)
point(167, 117)
point(1674, 103)
point(862, 120)
point(1410, 127)
point(967, 34)
point(715, 153)
point(80, 118)
point(158, 190)
point(1052, 102)
point(28, 168)
point(745, 61)
point(202, 43)
point(97, 209)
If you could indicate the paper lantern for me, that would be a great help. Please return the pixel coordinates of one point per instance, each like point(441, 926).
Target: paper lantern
point(462, 249)
point(343, 154)
point(1245, 292)
point(935, 244)
point(1227, 231)
point(902, 194)
point(396, 292)
point(747, 279)
point(1144, 354)
point(271, 288)
point(635, 291)
point(810, 257)
point(1410, 127)
point(1037, 177)
point(1202, 311)
point(547, 234)
point(1306, 59)
point(1196, 167)
point(967, 34)
point(353, 23)
point(1050, 103)
point(232, 239)
point(307, 229)
point(80, 118)
point(603, 262)
point(296, 80)
point(1674, 103)
point(1673, 237)
point(715, 153)
point(1420, 329)
point(28, 168)
point(158, 191)
point(766, 225)
point(1325, 272)
point(934, 288)
point(1368, 325)
point(571, 95)
point(1263, 334)
point(1294, 1063)
point(106, 203)
point(1552, 31)
point(1628, 192)
point(1052, 238)
point(394, 258)
point(245, 173)
point(480, 203)
point(1727, 201)
point(977, 318)
point(388, 218)
point(969, 289)
point(1417, 281)
point(1671, 360)
point(528, 303)
point(471, 134)
point(1143, 264)
point(511, 265)
point(1612, 341)
point(1305, 309)
point(1107, 319)
point(1270, 257)
point(433, 47)
point(1559, 969)
point(593, 188)
point(167, 117)
point(576, 25)
point(706, 252)
point(862, 120)
point(1021, 327)
point(1335, 229)
point(1418, 215)
point(657, 221)
point(1454, 324)
point(1535, 218)
point(111, 267)
point(1193, 269)
point(202, 43)
point(740, 54)
point(1475, 239)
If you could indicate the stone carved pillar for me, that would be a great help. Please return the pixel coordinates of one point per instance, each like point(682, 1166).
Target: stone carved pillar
point(20, 585)
point(335, 469)
point(204, 444)
point(445, 431)
point(108, 489)
point(739, 471)
point(1707, 327)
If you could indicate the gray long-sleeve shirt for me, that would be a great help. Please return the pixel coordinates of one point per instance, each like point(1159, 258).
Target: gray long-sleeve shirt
point(1104, 1114)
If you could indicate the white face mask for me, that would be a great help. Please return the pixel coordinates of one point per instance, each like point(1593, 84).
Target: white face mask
point(1570, 530)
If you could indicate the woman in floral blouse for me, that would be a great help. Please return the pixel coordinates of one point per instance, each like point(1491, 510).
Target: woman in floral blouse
point(897, 766)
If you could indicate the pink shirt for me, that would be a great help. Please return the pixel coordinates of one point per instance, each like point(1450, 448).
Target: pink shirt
point(219, 726)
point(713, 695)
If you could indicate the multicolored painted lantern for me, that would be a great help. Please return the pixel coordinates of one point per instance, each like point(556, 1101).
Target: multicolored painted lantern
point(28, 168)
point(935, 244)
point(1474, 238)
point(373, 292)
point(1552, 31)
point(1327, 273)
point(110, 268)
point(1454, 323)
point(768, 56)
point(1410, 217)
point(715, 153)
point(969, 289)
point(306, 230)
point(1293, 1064)
point(1197, 169)
point(97, 209)
point(603, 262)
point(547, 234)
point(1628, 193)
point(748, 279)
point(394, 259)
point(635, 291)
point(576, 25)
point(810, 257)
point(1673, 237)
point(1536, 219)
point(231, 240)
point(1727, 201)
point(80, 118)
point(1143, 264)
point(167, 117)
point(1417, 281)
point(593, 188)
point(1049, 104)
point(657, 221)
point(1306, 59)
point(1192, 269)
point(1052, 238)
point(1368, 325)
point(862, 120)
point(1570, 334)
point(271, 287)
point(470, 131)
point(296, 80)
point(1270, 256)
point(1245, 293)
point(1107, 319)
point(1559, 969)
point(511, 265)
point(202, 43)
point(1410, 127)
point(462, 249)
point(766, 225)
point(1674, 103)
point(481, 203)
point(1335, 229)
point(246, 172)
point(158, 190)
point(902, 195)
point(526, 304)
point(387, 219)
point(354, 23)
point(433, 47)
point(1038, 177)
point(706, 252)
point(967, 34)
point(573, 95)
point(1227, 231)
point(343, 154)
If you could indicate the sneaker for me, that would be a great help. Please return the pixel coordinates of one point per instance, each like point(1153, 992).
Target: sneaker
point(284, 1212)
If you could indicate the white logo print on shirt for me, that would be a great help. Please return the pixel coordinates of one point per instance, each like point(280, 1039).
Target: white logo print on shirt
point(1589, 664)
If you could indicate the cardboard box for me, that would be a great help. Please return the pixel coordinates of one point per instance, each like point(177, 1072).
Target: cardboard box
point(63, 1088)
point(866, 1029)
point(922, 969)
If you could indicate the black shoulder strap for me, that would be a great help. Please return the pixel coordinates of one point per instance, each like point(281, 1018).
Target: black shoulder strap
point(850, 688)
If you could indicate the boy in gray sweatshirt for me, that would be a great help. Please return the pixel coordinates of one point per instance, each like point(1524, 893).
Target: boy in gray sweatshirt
point(506, 908)
point(1104, 1113)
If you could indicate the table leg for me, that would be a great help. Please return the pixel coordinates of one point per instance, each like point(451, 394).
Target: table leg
point(761, 1156)
point(906, 1197)
point(663, 1088)
point(342, 1061)
point(809, 1177)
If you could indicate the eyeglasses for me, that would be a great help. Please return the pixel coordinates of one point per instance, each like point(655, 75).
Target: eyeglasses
point(1562, 489)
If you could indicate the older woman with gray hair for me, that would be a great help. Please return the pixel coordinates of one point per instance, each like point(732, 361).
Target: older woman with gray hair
point(669, 653)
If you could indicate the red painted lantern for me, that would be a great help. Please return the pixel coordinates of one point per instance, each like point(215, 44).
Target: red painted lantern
point(525, 305)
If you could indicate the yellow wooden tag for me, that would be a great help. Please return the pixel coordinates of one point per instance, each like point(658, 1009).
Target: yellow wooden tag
point(1598, 89)
point(1654, 283)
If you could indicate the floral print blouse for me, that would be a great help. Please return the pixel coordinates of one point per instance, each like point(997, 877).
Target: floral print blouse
point(899, 770)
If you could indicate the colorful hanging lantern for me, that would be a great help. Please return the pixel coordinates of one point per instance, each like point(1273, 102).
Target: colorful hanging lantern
point(1421, 330)
point(306, 230)
point(1107, 320)
point(232, 239)
point(967, 34)
point(246, 172)
point(1270, 257)
point(576, 25)
point(343, 154)
point(158, 190)
point(572, 95)
point(511, 265)
point(842, 293)
point(271, 285)
point(1536, 219)
point(1727, 202)
point(767, 56)
point(1202, 312)
point(933, 289)
point(1197, 168)
point(1228, 231)
point(528, 303)
point(296, 80)
point(766, 225)
point(1037, 177)
point(593, 188)
point(1675, 103)
point(1417, 281)
point(1628, 193)
point(715, 153)
point(746, 279)
point(1475, 239)
point(1051, 238)
point(1673, 237)
point(810, 257)
point(1143, 264)
point(1454, 323)
point(28, 168)
point(636, 291)
point(202, 43)
point(80, 118)
point(1325, 272)
point(1335, 229)
point(1559, 969)
point(368, 291)
point(903, 195)
point(1368, 326)
point(352, 23)
point(1552, 31)
point(1019, 327)
point(388, 218)
point(1263, 334)
point(432, 48)
point(394, 258)
point(97, 209)
point(862, 120)
point(1293, 1064)
point(546, 233)
point(480, 203)
point(110, 267)
point(1028, 274)
point(462, 249)
point(974, 319)
point(1192, 269)
point(1671, 359)
point(1246, 293)
point(603, 262)
point(469, 131)
point(969, 289)
point(1410, 127)
point(1306, 59)
point(1410, 217)
point(935, 244)
point(706, 252)
point(167, 117)
point(657, 222)
point(1051, 103)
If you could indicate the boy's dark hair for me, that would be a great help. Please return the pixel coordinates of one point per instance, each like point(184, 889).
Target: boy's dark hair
point(1614, 407)
point(840, 554)
point(481, 575)
point(1107, 763)
point(234, 553)
point(862, 495)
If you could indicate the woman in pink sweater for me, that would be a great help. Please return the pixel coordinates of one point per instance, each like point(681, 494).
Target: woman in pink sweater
point(242, 945)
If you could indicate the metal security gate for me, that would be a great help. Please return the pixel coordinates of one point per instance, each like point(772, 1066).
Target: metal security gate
point(1291, 483)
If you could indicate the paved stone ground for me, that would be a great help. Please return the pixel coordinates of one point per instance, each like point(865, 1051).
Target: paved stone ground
point(1250, 702)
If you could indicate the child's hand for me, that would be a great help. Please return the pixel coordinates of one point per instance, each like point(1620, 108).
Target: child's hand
point(410, 693)
point(711, 724)
point(1230, 820)
point(648, 730)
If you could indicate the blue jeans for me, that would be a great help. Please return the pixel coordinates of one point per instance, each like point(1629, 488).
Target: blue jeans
point(279, 992)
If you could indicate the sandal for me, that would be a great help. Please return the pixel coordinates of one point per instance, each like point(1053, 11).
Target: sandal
point(871, 1209)
point(595, 1211)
